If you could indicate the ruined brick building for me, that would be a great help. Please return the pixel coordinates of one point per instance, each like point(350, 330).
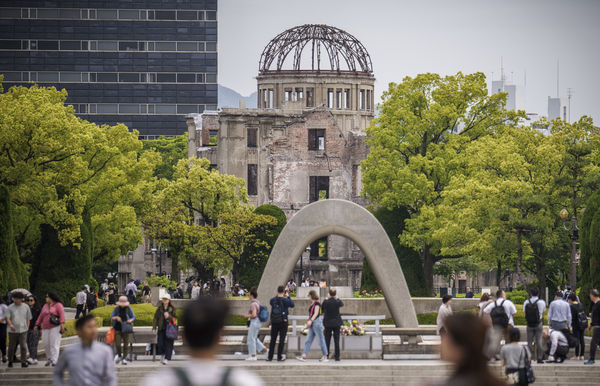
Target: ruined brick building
point(306, 139)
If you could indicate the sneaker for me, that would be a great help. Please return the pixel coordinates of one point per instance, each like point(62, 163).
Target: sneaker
point(269, 359)
point(24, 364)
point(251, 358)
point(164, 361)
point(337, 359)
point(581, 358)
point(3, 359)
point(124, 362)
point(539, 361)
point(48, 363)
point(301, 359)
point(324, 359)
point(10, 364)
point(30, 361)
point(589, 362)
point(35, 362)
point(117, 359)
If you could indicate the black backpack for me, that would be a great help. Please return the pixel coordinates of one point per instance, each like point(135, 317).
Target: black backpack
point(498, 315)
point(582, 320)
point(91, 301)
point(277, 311)
point(532, 313)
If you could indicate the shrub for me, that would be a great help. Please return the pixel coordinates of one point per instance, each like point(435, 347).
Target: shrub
point(144, 314)
point(154, 281)
point(70, 327)
point(517, 296)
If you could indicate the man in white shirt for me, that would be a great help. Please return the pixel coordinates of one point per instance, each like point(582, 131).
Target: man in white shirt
point(203, 321)
point(195, 291)
point(80, 301)
point(535, 327)
point(559, 313)
point(444, 311)
point(500, 321)
point(559, 346)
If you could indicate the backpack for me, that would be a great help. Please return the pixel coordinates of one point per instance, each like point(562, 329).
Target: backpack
point(184, 380)
point(582, 320)
point(277, 312)
point(532, 313)
point(91, 301)
point(498, 315)
point(263, 313)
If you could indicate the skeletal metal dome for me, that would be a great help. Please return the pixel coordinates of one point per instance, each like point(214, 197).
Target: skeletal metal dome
point(338, 46)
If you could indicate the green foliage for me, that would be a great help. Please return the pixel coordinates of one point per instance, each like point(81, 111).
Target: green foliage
point(154, 281)
point(590, 247)
point(171, 151)
point(13, 273)
point(411, 262)
point(70, 327)
point(425, 122)
point(252, 264)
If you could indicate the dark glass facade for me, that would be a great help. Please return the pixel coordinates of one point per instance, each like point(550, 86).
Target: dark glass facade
point(142, 63)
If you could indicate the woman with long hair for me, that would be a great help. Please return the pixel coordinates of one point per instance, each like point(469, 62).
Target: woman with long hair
point(462, 345)
point(315, 328)
point(254, 324)
point(165, 314)
point(33, 335)
point(52, 323)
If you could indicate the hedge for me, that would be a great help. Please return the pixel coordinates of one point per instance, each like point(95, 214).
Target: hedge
point(70, 327)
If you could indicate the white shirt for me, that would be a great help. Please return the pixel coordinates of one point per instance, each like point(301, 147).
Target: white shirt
point(80, 298)
point(195, 292)
point(3, 308)
point(541, 304)
point(444, 311)
point(557, 338)
point(508, 306)
point(203, 372)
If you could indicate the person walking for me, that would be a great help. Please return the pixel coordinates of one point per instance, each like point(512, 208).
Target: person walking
point(501, 312)
point(18, 318)
point(203, 322)
point(33, 335)
point(131, 291)
point(444, 311)
point(559, 313)
point(534, 308)
point(122, 318)
point(315, 328)
point(146, 293)
point(165, 314)
point(103, 293)
point(332, 320)
point(254, 324)
point(594, 326)
point(463, 345)
point(52, 323)
point(88, 362)
point(111, 295)
point(80, 301)
point(280, 306)
point(514, 357)
point(91, 301)
point(579, 325)
point(3, 307)
point(195, 294)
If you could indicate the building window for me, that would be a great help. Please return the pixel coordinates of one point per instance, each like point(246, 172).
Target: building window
point(252, 179)
point(330, 98)
point(318, 190)
point(299, 94)
point(213, 137)
point(252, 136)
point(362, 100)
point(369, 107)
point(338, 98)
point(347, 98)
point(288, 94)
point(310, 93)
point(316, 139)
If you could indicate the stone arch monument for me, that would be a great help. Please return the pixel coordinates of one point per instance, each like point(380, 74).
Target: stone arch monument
point(344, 218)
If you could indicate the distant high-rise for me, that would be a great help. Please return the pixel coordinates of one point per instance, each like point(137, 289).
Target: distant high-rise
point(554, 108)
point(142, 63)
point(514, 94)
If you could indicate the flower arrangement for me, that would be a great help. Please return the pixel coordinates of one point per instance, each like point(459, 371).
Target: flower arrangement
point(376, 293)
point(305, 330)
point(353, 328)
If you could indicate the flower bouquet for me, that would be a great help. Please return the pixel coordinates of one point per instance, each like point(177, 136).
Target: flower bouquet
point(353, 328)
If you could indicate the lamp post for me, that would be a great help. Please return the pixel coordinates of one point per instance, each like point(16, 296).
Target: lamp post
point(574, 229)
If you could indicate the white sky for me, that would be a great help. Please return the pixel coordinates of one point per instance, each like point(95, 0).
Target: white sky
point(442, 36)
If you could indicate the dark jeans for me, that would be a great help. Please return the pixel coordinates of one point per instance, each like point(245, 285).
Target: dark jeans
point(277, 329)
point(595, 342)
point(164, 346)
point(21, 339)
point(3, 339)
point(580, 346)
point(336, 340)
point(80, 310)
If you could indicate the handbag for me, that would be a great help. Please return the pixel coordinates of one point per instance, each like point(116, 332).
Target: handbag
point(528, 369)
point(172, 331)
point(54, 320)
point(110, 336)
point(126, 328)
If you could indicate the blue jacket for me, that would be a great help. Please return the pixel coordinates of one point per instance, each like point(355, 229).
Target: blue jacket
point(130, 315)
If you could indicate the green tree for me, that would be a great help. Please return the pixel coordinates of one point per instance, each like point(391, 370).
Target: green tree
point(590, 248)
point(202, 217)
point(425, 122)
point(171, 149)
point(13, 273)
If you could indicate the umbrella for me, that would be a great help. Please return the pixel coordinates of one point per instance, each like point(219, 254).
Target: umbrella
point(22, 290)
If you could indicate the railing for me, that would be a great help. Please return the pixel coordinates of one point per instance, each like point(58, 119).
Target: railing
point(376, 328)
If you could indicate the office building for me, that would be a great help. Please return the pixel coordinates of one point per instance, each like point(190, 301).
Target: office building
point(142, 63)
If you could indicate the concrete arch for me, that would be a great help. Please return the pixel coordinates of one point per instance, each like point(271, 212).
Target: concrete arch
point(344, 218)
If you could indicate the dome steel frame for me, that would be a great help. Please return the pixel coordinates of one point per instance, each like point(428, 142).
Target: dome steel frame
point(335, 42)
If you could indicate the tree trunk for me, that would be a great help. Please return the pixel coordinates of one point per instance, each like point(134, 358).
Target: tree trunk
point(498, 274)
point(428, 269)
point(520, 278)
point(540, 271)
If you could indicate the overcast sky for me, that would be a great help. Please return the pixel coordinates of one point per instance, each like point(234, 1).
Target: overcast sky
point(405, 38)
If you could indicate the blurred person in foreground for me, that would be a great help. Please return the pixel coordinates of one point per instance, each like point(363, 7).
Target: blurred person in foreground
point(462, 345)
point(203, 321)
point(89, 362)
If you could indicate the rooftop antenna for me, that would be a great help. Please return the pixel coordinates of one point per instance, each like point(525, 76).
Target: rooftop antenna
point(525, 78)
point(502, 69)
point(569, 95)
point(557, 77)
